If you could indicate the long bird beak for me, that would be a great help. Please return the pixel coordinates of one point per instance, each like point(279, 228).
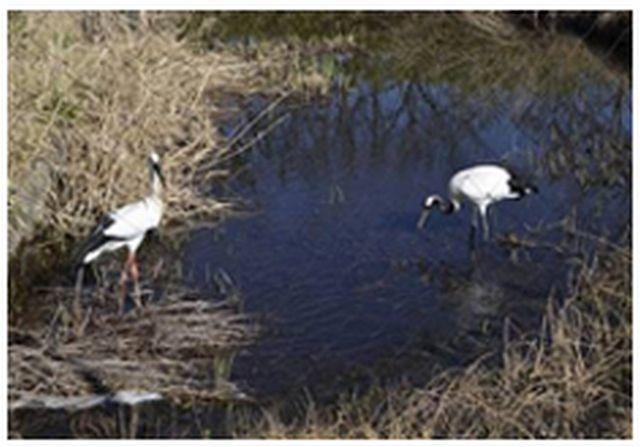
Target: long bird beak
point(423, 219)
point(161, 175)
point(158, 170)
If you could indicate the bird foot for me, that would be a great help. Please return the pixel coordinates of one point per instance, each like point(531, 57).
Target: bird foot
point(137, 297)
point(157, 269)
point(81, 324)
point(139, 305)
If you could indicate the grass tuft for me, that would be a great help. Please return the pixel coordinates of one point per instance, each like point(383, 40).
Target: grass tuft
point(570, 380)
point(91, 94)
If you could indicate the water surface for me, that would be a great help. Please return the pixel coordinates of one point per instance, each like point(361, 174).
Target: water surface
point(332, 257)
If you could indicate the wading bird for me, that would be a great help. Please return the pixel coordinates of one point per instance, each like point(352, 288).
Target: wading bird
point(482, 185)
point(125, 227)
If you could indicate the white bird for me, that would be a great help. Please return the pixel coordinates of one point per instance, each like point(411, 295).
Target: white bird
point(126, 227)
point(481, 185)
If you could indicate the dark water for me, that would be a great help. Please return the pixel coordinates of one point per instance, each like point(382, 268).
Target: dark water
point(333, 259)
point(348, 288)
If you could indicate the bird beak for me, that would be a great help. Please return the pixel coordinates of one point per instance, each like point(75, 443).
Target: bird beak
point(161, 175)
point(423, 219)
point(158, 169)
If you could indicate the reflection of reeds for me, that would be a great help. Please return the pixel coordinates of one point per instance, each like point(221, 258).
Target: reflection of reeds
point(571, 379)
point(88, 99)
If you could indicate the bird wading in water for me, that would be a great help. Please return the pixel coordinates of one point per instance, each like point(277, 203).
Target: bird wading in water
point(482, 186)
point(125, 227)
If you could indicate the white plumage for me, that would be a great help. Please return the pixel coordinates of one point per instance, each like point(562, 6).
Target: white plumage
point(481, 185)
point(126, 227)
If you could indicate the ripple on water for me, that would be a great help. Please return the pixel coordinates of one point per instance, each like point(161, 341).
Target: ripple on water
point(333, 257)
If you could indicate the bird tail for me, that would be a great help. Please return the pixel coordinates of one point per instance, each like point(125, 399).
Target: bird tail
point(80, 264)
point(94, 241)
point(91, 244)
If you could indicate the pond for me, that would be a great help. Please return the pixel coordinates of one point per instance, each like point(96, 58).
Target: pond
point(349, 288)
point(349, 292)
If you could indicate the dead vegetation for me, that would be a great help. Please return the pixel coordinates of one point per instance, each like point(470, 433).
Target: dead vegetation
point(92, 93)
point(180, 347)
point(484, 54)
point(572, 379)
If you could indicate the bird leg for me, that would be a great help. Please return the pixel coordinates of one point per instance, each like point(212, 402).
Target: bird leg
point(77, 302)
point(493, 217)
point(472, 230)
point(485, 223)
point(123, 288)
point(98, 274)
point(135, 275)
point(157, 269)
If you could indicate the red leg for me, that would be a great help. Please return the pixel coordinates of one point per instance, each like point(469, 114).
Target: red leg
point(123, 287)
point(135, 274)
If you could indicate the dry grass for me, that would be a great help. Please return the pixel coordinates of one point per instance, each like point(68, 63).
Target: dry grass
point(91, 94)
point(484, 54)
point(571, 380)
point(180, 346)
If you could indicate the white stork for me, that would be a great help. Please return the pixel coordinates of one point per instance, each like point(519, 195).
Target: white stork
point(481, 185)
point(126, 227)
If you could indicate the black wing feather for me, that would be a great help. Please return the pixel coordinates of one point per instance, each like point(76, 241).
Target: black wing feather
point(521, 187)
point(96, 239)
point(516, 186)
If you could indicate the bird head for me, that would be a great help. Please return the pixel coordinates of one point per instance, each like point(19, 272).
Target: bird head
point(155, 166)
point(429, 203)
point(154, 157)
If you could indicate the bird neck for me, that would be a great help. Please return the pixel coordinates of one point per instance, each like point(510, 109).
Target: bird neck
point(454, 204)
point(519, 188)
point(446, 206)
point(156, 185)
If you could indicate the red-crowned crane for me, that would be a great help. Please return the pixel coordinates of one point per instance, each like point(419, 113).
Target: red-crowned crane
point(481, 185)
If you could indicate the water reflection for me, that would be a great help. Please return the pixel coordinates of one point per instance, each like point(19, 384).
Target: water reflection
point(333, 257)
